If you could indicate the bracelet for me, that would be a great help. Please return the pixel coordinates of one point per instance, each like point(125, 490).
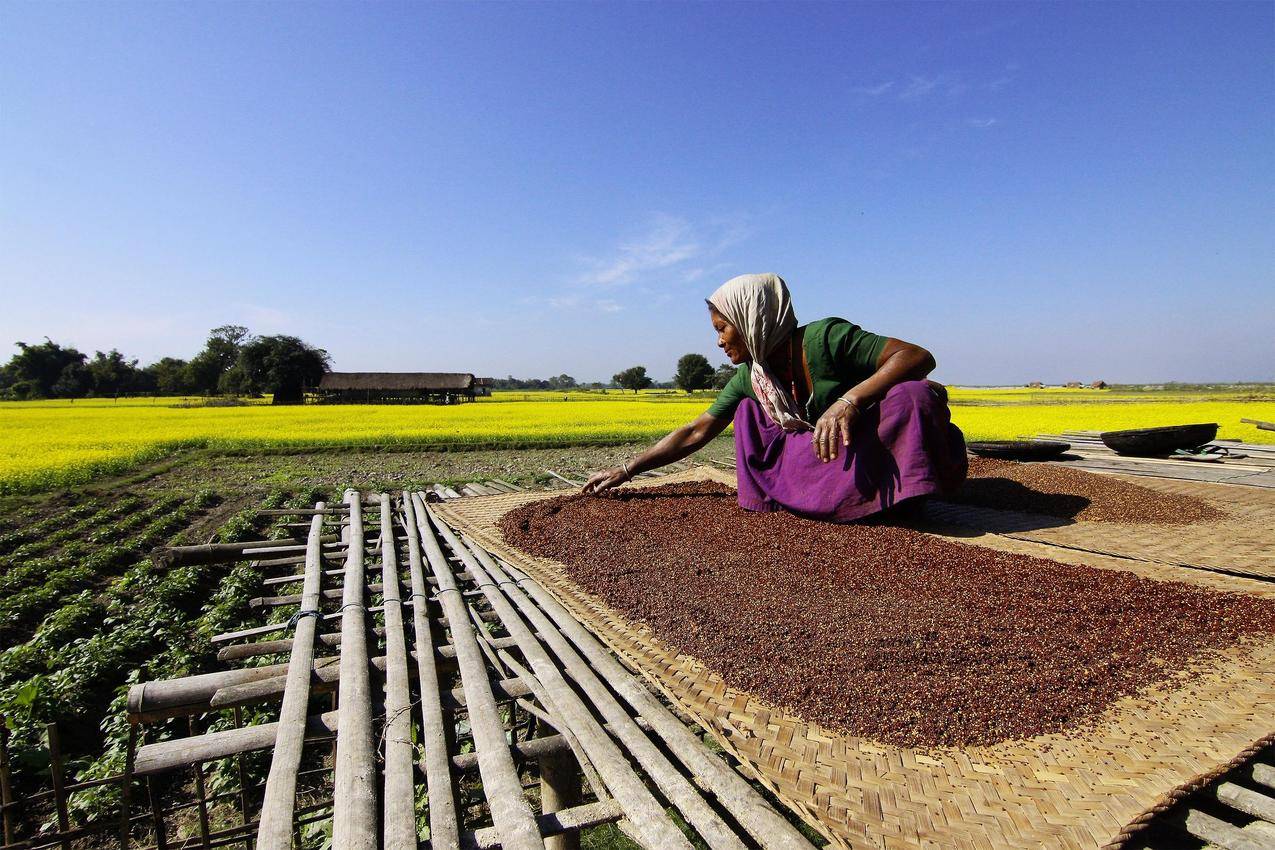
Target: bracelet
point(628, 476)
point(851, 403)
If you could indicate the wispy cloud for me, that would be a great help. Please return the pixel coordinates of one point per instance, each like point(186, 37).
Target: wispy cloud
point(998, 83)
point(874, 91)
point(571, 304)
point(919, 87)
point(981, 123)
point(669, 245)
point(915, 87)
point(266, 319)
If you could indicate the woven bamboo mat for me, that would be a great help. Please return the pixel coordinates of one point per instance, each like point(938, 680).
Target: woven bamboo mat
point(1087, 790)
point(1243, 543)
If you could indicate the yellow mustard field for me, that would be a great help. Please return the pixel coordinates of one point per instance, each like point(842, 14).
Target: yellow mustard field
point(52, 443)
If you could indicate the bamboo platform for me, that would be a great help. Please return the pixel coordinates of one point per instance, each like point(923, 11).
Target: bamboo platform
point(1250, 464)
point(437, 692)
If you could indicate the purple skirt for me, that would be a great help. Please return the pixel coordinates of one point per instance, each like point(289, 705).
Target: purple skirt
point(905, 446)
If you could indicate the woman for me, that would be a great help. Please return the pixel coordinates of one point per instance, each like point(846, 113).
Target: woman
point(831, 422)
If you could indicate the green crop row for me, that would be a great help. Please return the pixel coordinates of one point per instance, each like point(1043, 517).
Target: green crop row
point(26, 602)
point(64, 526)
point(148, 623)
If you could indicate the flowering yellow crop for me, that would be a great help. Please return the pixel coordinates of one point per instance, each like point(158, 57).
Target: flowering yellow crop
point(44, 444)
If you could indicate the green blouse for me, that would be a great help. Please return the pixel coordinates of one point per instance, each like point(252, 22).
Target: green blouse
point(840, 355)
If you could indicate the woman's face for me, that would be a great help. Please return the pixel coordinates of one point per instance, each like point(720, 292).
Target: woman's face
point(728, 338)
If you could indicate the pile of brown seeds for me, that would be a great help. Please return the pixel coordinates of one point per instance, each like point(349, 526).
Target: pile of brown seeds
point(878, 631)
point(1054, 490)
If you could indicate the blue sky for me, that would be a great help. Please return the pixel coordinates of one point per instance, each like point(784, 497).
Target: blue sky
point(1032, 191)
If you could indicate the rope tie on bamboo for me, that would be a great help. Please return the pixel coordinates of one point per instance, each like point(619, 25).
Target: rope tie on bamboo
point(445, 590)
point(494, 584)
point(297, 617)
point(352, 605)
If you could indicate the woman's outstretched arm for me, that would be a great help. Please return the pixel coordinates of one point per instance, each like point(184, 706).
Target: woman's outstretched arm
point(678, 444)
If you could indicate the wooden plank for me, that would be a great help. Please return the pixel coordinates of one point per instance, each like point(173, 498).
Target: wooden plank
point(354, 815)
point(274, 830)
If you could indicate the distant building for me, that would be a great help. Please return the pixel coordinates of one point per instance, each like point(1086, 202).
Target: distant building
point(1098, 385)
point(1073, 385)
point(1035, 385)
point(399, 387)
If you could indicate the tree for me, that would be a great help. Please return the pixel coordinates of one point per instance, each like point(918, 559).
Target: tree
point(722, 376)
point(562, 382)
point(74, 382)
point(221, 351)
point(633, 378)
point(693, 373)
point(39, 367)
point(111, 375)
point(282, 365)
point(171, 376)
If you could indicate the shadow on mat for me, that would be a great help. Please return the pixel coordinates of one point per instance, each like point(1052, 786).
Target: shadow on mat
point(1009, 506)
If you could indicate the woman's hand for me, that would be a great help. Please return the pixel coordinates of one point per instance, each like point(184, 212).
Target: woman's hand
point(833, 429)
point(600, 482)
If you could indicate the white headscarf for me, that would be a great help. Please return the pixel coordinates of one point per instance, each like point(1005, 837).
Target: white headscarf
point(759, 306)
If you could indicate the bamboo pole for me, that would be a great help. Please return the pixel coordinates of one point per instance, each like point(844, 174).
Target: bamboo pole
point(243, 784)
point(126, 788)
point(354, 798)
point(157, 814)
point(163, 756)
point(59, 782)
point(444, 828)
point(744, 803)
point(6, 789)
point(558, 823)
point(646, 813)
point(212, 553)
point(201, 791)
point(510, 811)
point(274, 831)
point(668, 778)
point(399, 818)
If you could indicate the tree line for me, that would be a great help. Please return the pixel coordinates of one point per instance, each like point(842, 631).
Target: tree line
point(232, 362)
point(694, 372)
point(235, 362)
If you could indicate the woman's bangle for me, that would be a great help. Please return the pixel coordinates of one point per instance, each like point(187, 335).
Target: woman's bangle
point(850, 402)
point(628, 476)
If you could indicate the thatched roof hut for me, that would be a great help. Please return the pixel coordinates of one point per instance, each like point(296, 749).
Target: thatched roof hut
point(398, 386)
